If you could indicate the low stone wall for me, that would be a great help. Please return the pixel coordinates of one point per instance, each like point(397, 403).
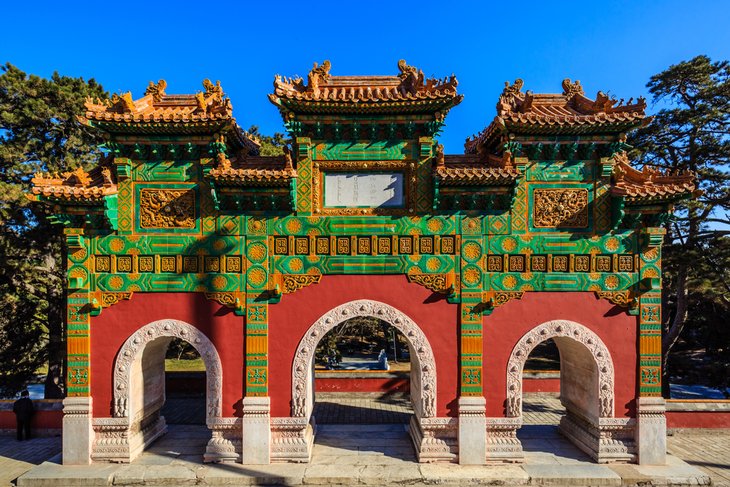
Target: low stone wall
point(46, 421)
point(541, 381)
point(698, 413)
point(362, 381)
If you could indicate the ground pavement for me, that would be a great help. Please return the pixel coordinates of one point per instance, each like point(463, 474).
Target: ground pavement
point(373, 454)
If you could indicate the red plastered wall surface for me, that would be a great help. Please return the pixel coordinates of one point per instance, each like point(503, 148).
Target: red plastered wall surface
point(115, 324)
point(292, 317)
point(509, 322)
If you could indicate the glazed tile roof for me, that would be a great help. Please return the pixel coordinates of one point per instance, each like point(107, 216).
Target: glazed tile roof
point(408, 92)
point(568, 113)
point(158, 106)
point(466, 170)
point(76, 186)
point(649, 184)
point(158, 112)
point(254, 170)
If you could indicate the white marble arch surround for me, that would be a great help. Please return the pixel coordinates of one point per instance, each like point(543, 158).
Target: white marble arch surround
point(123, 437)
point(597, 432)
point(434, 441)
point(560, 329)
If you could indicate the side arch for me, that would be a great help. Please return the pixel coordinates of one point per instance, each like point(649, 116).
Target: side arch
point(568, 330)
point(134, 346)
point(424, 406)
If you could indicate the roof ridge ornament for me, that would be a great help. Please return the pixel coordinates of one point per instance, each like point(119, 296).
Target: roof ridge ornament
point(570, 88)
point(156, 90)
point(318, 74)
point(410, 76)
point(510, 98)
point(212, 100)
point(123, 103)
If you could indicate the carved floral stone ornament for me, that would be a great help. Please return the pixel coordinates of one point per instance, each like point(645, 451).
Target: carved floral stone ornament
point(424, 404)
point(555, 329)
point(133, 348)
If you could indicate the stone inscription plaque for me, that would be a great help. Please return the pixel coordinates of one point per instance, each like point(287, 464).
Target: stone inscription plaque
point(367, 190)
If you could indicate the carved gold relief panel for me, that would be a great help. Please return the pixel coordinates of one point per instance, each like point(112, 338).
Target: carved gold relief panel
point(167, 208)
point(560, 208)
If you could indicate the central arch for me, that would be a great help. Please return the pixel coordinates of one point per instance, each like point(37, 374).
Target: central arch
point(425, 428)
point(423, 373)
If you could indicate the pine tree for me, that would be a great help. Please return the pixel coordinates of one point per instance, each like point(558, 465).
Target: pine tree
point(692, 133)
point(38, 132)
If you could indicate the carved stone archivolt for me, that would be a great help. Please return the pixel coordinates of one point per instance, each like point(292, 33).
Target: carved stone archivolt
point(560, 208)
point(424, 399)
point(132, 350)
point(167, 208)
point(566, 329)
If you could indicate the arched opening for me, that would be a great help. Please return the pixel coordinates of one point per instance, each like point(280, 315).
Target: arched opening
point(422, 370)
point(541, 404)
point(585, 405)
point(185, 391)
point(140, 392)
point(362, 374)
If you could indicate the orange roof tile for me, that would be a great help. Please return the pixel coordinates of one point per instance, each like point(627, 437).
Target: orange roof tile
point(463, 170)
point(75, 186)
point(254, 170)
point(157, 106)
point(408, 91)
point(649, 183)
point(157, 112)
point(570, 113)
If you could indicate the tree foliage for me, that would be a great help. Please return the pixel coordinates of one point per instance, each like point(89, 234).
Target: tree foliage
point(691, 133)
point(38, 132)
point(271, 145)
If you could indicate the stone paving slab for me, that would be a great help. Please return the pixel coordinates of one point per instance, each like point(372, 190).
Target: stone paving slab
point(584, 474)
point(51, 474)
point(363, 459)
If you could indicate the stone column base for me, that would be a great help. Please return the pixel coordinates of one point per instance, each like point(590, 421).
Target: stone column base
point(651, 431)
point(606, 440)
point(435, 439)
point(78, 434)
point(118, 440)
point(225, 442)
point(472, 430)
point(292, 439)
point(256, 431)
point(502, 443)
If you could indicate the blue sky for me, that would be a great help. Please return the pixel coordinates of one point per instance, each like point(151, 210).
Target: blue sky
point(611, 46)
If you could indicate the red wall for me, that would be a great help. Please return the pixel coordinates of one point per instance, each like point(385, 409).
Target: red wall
point(48, 414)
point(540, 385)
point(697, 413)
point(115, 324)
point(697, 419)
point(290, 319)
point(508, 323)
point(342, 384)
